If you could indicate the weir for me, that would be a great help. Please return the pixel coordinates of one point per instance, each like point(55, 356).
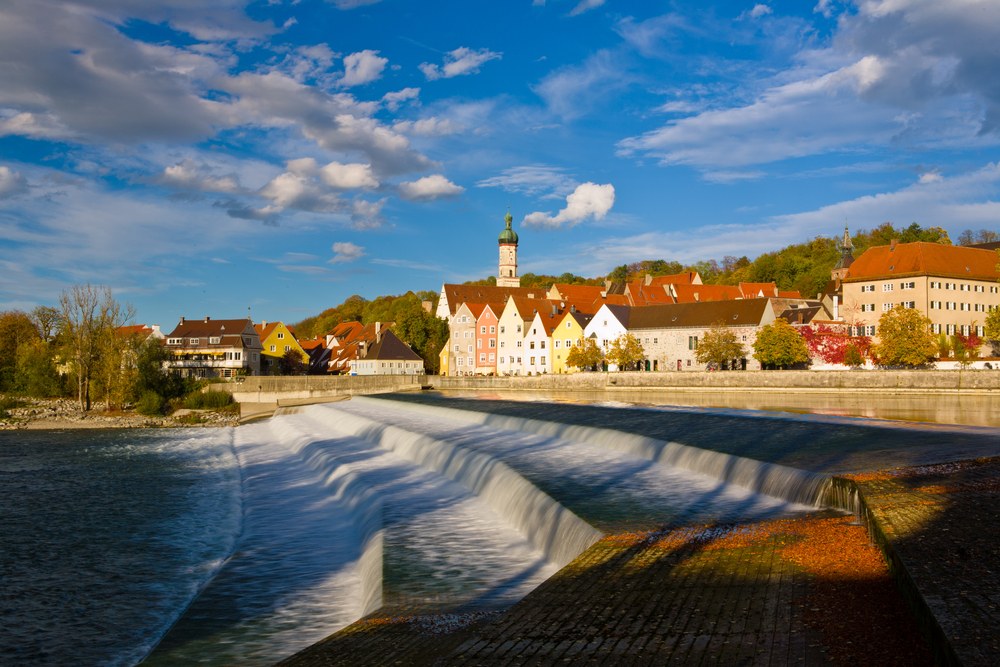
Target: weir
point(791, 484)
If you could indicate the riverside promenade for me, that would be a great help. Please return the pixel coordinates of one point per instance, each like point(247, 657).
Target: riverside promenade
point(911, 579)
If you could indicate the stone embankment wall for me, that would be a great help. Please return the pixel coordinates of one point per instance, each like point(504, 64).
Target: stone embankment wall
point(259, 396)
point(896, 381)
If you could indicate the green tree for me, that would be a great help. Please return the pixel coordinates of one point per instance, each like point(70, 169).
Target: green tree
point(587, 356)
point(291, 363)
point(16, 331)
point(780, 345)
point(89, 317)
point(904, 338)
point(626, 352)
point(991, 329)
point(719, 346)
point(36, 370)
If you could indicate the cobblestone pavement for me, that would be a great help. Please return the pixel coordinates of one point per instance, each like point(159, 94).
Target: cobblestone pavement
point(942, 524)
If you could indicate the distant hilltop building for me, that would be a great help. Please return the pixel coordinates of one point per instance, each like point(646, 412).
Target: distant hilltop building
point(507, 270)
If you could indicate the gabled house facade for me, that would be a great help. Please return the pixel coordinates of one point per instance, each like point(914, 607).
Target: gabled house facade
point(567, 334)
point(388, 355)
point(608, 325)
point(486, 340)
point(213, 348)
point(276, 341)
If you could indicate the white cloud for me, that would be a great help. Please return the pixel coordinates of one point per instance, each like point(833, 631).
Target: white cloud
point(760, 10)
point(353, 176)
point(459, 62)
point(896, 73)
point(11, 182)
point(571, 91)
point(394, 100)
point(430, 187)
point(428, 127)
point(930, 177)
point(586, 6)
point(362, 67)
point(345, 251)
point(187, 175)
point(352, 4)
point(367, 214)
point(532, 180)
point(589, 200)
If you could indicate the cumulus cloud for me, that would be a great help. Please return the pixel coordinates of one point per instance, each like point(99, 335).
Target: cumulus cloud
point(11, 182)
point(187, 175)
point(435, 186)
point(760, 10)
point(362, 67)
point(345, 251)
point(394, 100)
point(367, 214)
point(349, 176)
point(459, 62)
point(589, 200)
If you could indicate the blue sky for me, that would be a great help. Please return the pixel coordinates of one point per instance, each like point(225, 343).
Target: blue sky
point(202, 158)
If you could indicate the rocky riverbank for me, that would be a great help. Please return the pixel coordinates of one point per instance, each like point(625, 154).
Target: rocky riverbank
point(32, 413)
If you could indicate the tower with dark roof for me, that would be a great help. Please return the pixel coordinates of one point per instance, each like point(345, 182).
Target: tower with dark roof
point(841, 270)
point(507, 270)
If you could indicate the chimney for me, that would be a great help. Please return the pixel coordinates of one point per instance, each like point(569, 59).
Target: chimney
point(555, 309)
point(207, 318)
point(263, 324)
point(892, 245)
point(378, 331)
point(572, 308)
point(182, 319)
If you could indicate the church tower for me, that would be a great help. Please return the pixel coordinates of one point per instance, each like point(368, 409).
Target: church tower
point(507, 271)
point(841, 270)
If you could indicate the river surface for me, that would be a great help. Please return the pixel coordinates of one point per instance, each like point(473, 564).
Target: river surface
point(242, 546)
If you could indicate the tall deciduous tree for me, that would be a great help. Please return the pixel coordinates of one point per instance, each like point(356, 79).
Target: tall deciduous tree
point(780, 345)
point(89, 317)
point(16, 333)
point(626, 352)
point(904, 338)
point(719, 346)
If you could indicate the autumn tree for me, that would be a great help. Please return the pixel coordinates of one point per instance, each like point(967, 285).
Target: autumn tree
point(780, 345)
point(626, 352)
point(904, 338)
point(89, 317)
point(719, 346)
point(991, 329)
point(587, 356)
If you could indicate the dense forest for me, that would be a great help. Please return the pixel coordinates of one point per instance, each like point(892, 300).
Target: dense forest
point(803, 266)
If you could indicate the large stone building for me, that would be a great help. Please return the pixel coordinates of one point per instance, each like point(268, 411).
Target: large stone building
point(955, 286)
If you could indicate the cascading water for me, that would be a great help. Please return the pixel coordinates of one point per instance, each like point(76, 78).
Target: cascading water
point(363, 503)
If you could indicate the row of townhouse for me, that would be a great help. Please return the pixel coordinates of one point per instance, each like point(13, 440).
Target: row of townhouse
point(234, 348)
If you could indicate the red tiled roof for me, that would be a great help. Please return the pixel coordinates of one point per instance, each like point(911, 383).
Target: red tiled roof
point(698, 293)
point(459, 294)
point(922, 258)
point(135, 330)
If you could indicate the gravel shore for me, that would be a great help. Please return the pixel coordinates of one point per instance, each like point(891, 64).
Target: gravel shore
point(62, 414)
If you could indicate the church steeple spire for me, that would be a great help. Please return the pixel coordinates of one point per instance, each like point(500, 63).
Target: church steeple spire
point(507, 269)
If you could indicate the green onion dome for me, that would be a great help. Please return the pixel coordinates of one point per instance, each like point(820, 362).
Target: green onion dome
point(508, 235)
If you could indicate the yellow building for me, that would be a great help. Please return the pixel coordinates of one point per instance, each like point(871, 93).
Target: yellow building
point(567, 334)
point(277, 340)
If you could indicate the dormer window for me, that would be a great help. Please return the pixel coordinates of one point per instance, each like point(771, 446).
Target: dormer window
point(214, 340)
point(195, 341)
point(175, 341)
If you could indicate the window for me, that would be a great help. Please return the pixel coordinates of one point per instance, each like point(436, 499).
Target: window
point(908, 285)
point(493, 343)
point(542, 361)
point(935, 284)
point(470, 348)
point(870, 330)
point(966, 306)
point(965, 329)
point(868, 308)
point(273, 348)
point(457, 347)
point(655, 341)
point(531, 345)
point(867, 288)
point(461, 361)
point(215, 340)
point(492, 357)
point(456, 334)
point(503, 343)
point(281, 335)
point(556, 342)
point(936, 328)
point(935, 305)
point(482, 329)
point(692, 343)
point(520, 343)
point(194, 341)
point(287, 348)
point(949, 329)
point(518, 328)
point(174, 341)
point(493, 329)
point(482, 357)
point(887, 287)
point(886, 307)
point(909, 304)
point(479, 343)
point(569, 325)
point(501, 328)
point(542, 344)
point(532, 361)
point(963, 288)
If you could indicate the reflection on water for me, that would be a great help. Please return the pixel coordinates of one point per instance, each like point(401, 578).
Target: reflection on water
point(943, 408)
